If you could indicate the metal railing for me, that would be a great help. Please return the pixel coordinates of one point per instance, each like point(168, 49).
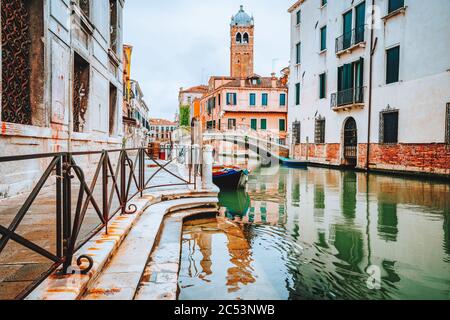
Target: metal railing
point(350, 38)
point(347, 97)
point(122, 177)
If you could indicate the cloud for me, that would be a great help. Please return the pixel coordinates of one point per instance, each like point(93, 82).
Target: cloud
point(181, 43)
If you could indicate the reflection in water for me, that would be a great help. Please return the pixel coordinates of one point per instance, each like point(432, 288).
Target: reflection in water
point(387, 221)
point(315, 234)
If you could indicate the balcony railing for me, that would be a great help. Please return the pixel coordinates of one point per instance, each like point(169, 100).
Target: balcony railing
point(351, 38)
point(347, 97)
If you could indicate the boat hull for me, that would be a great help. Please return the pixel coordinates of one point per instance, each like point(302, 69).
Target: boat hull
point(231, 181)
point(295, 164)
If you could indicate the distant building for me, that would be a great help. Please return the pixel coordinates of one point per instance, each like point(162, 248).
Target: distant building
point(140, 113)
point(161, 130)
point(244, 99)
point(371, 93)
point(187, 98)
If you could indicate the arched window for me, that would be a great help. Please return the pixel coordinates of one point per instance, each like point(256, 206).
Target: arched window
point(246, 38)
point(239, 38)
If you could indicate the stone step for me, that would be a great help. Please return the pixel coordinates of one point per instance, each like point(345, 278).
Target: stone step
point(120, 279)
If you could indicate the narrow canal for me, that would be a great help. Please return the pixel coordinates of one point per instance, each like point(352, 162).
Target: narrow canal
point(318, 234)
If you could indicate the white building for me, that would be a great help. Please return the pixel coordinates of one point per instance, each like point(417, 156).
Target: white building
point(339, 92)
point(62, 87)
point(141, 113)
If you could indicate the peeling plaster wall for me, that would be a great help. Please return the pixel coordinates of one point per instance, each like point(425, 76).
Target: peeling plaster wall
point(63, 35)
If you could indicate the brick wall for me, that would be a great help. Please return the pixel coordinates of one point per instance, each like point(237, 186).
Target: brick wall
point(421, 158)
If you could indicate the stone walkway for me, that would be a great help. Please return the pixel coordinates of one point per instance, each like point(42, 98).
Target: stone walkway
point(21, 267)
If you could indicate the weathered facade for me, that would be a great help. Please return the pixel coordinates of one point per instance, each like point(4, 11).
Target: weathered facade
point(61, 86)
point(369, 85)
point(138, 135)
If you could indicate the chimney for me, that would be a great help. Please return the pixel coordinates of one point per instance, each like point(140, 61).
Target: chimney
point(242, 82)
point(274, 80)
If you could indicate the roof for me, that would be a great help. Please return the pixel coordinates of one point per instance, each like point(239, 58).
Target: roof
point(263, 82)
point(196, 89)
point(162, 122)
point(295, 5)
point(242, 18)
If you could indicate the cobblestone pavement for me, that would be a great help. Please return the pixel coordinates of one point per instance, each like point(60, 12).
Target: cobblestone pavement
point(19, 266)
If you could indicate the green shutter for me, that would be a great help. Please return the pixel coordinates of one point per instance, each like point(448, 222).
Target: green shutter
point(395, 4)
point(298, 53)
point(323, 38)
point(264, 99)
point(254, 124)
point(263, 124)
point(322, 85)
point(252, 99)
point(392, 65)
point(297, 94)
point(282, 125)
point(282, 99)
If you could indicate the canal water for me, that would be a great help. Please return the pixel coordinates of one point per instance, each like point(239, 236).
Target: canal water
point(321, 234)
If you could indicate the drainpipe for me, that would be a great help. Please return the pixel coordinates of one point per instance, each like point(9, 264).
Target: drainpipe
point(372, 51)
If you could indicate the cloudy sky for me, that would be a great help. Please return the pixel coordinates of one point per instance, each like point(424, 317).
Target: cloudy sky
point(181, 43)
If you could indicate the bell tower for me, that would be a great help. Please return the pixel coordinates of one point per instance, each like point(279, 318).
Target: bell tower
point(242, 43)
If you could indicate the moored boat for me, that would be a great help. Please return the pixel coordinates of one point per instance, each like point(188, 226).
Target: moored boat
point(292, 163)
point(230, 178)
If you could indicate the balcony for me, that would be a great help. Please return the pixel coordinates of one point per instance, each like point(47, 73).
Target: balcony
point(351, 40)
point(348, 99)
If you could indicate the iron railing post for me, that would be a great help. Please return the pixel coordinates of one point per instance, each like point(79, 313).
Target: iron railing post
point(105, 209)
point(59, 208)
point(123, 200)
point(67, 211)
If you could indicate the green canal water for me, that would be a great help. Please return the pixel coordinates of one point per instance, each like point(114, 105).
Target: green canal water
point(321, 234)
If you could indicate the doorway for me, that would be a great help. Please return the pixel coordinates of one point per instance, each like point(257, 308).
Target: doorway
point(350, 142)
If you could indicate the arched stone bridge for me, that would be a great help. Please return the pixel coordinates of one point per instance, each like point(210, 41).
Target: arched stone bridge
point(265, 144)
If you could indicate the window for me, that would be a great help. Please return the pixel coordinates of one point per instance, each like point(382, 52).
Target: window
point(347, 31)
point(360, 22)
point(265, 98)
point(389, 127)
point(263, 124)
point(246, 38)
point(297, 94)
point(219, 100)
point(395, 5)
point(22, 64)
point(298, 53)
point(85, 7)
point(252, 99)
point(323, 38)
point(296, 132)
point(231, 124)
point(447, 127)
point(80, 93)
point(324, 2)
point(254, 124)
point(351, 83)
point(112, 109)
point(392, 65)
point(282, 125)
point(239, 38)
point(320, 131)
point(323, 86)
point(298, 17)
point(113, 25)
point(231, 99)
point(282, 99)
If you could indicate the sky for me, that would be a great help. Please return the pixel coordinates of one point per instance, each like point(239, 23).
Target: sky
point(181, 43)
